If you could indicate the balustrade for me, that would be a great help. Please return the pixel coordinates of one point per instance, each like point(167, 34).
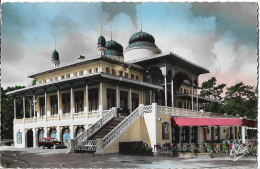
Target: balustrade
point(81, 141)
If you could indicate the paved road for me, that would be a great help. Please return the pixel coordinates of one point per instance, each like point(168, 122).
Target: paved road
point(59, 158)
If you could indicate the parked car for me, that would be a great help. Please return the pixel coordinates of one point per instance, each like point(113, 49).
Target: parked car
point(50, 142)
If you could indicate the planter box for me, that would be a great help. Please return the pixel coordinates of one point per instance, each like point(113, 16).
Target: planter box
point(189, 155)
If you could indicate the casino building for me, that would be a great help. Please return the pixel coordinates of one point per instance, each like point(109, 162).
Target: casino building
point(136, 94)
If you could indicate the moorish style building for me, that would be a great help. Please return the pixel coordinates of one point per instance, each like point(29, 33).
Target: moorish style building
point(136, 94)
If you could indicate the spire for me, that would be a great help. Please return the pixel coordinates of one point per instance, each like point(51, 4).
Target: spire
point(111, 30)
point(101, 27)
point(141, 17)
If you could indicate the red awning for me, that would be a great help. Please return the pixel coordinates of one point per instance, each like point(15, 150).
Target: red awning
point(181, 121)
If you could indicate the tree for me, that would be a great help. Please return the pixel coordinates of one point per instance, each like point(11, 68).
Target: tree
point(7, 111)
point(210, 90)
point(240, 99)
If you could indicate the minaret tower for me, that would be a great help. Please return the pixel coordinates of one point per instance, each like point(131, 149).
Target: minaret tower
point(55, 57)
point(101, 49)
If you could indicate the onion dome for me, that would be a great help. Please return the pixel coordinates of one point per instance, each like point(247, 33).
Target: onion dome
point(141, 39)
point(114, 48)
point(55, 55)
point(101, 41)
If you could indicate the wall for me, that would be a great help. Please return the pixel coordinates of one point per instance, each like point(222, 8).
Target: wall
point(136, 132)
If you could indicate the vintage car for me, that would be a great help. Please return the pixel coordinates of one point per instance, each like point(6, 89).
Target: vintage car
point(50, 142)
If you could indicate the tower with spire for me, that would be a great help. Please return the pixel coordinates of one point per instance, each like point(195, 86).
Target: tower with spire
point(55, 57)
point(101, 49)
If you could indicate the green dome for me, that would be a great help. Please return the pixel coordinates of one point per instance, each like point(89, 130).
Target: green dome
point(101, 41)
point(55, 55)
point(114, 48)
point(141, 39)
point(141, 36)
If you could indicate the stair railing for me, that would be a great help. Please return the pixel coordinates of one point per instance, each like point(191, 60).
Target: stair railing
point(121, 127)
point(81, 140)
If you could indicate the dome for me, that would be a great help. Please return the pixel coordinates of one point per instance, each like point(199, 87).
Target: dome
point(55, 55)
point(142, 39)
point(141, 36)
point(101, 41)
point(114, 48)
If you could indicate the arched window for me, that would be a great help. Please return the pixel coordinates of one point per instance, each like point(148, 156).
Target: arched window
point(165, 131)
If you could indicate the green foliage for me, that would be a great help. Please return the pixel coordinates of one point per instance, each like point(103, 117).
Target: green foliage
point(253, 151)
point(238, 99)
point(7, 111)
point(34, 82)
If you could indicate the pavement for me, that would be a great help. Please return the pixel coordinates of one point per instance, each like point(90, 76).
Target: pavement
point(59, 158)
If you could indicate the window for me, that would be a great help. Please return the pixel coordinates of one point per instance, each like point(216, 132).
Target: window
point(96, 69)
point(126, 75)
point(79, 101)
point(113, 71)
point(111, 98)
point(19, 138)
point(65, 103)
point(42, 106)
point(93, 99)
point(121, 73)
point(165, 131)
point(62, 77)
point(137, 77)
point(54, 105)
point(132, 76)
point(90, 71)
point(81, 73)
point(107, 70)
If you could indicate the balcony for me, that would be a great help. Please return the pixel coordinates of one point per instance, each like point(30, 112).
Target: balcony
point(61, 117)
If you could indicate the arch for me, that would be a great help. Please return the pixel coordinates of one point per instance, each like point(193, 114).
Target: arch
point(79, 130)
point(180, 77)
point(66, 135)
point(29, 138)
point(52, 132)
point(40, 134)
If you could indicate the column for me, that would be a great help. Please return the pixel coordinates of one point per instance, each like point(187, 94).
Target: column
point(87, 106)
point(23, 107)
point(45, 101)
point(34, 138)
point(172, 92)
point(34, 106)
point(71, 131)
point(142, 96)
point(189, 134)
point(192, 95)
point(58, 133)
point(58, 100)
point(30, 108)
point(130, 99)
point(198, 134)
point(151, 97)
point(45, 131)
point(197, 94)
point(23, 137)
point(144, 99)
point(117, 97)
point(165, 90)
point(180, 131)
point(243, 134)
point(14, 108)
point(71, 101)
point(101, 99)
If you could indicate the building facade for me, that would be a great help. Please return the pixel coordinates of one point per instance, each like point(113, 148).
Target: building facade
point(153, 94)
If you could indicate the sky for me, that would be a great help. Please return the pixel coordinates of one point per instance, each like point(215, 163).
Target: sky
point(221, 37)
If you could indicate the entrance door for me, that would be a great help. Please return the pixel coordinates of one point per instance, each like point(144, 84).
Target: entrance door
point(175, 134)
point(29, 138)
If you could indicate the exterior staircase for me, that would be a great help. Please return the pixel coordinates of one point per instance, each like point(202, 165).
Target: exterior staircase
point(107, 128)
point(105, 131)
